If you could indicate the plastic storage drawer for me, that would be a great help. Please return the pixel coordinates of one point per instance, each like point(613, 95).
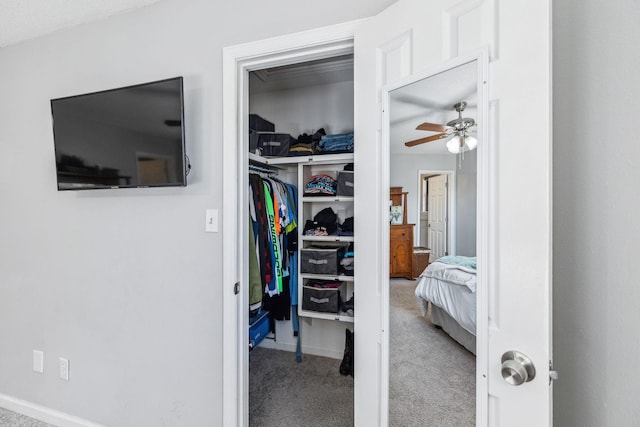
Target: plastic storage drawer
point(258, 328)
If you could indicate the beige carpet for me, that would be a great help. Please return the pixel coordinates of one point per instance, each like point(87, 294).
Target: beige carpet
point(283, 393)
point(432, 379)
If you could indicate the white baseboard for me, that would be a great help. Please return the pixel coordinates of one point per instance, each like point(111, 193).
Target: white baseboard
point(43, 413)
point(316, 351)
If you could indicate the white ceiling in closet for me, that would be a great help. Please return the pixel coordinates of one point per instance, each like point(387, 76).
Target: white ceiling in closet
point(319, 72)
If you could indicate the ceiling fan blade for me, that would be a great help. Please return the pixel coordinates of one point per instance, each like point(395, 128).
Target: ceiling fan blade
point(426, 139)
point(433, 127)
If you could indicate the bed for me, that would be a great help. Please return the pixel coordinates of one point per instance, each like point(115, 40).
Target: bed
point(449, 284)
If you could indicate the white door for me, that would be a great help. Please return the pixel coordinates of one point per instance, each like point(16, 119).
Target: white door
point(514, 204)
point(437, 224)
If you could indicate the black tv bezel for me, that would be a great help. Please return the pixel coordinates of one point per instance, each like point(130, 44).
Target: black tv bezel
point(184, 163)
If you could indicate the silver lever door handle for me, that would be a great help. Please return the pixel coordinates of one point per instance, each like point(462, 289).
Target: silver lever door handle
point(517, 368)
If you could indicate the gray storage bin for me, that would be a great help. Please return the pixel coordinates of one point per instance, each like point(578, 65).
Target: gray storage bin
point(326, 300)
point(321, 259)
point(345, 183)
point(270, 143)
point(257, 123)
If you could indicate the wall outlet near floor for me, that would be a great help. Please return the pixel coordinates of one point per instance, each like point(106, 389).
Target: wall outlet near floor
point(38, 361)
point(64, 369)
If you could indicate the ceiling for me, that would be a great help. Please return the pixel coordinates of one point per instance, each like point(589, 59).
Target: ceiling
point(22, 20)
point(431, 100)
point(311, 73)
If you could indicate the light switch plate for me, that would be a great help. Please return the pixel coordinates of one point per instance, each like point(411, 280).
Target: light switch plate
point(211, 221)
point(38, 361)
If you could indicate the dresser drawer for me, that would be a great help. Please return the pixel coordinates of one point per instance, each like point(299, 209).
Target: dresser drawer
point(399, 233)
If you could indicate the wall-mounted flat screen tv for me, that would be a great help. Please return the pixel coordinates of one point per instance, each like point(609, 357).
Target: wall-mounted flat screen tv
point(127, 137)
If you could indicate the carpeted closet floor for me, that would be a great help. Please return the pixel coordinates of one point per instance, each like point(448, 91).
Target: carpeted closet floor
point(432, 379)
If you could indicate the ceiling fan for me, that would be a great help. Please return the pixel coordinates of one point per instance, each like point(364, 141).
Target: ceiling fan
point(457, 131)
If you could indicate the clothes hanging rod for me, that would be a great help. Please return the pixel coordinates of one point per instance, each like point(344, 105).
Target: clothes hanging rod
point(262, 169)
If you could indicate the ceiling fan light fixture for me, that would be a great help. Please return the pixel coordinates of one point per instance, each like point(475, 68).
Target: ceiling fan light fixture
point(471, 142)
point(453, 145)
point(456, 132)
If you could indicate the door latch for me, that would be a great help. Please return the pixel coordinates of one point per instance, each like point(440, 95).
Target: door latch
point(236, 288)
point(553, 375)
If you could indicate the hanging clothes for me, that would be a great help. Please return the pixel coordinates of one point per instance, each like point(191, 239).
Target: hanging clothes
point(260, 227)
point(255, 284)
point(273, 207)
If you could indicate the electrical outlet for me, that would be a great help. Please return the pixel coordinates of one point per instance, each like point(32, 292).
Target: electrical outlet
point(38, 361)
point(64, 369)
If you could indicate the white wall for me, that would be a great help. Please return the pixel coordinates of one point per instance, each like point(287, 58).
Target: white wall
point(307, 109)
point(596, 203)
point(466, 204)
point(404, 173)
point(123, 283)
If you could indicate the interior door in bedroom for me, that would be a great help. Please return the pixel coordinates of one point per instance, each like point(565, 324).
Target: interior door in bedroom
point(417, 38)
point(437, 223)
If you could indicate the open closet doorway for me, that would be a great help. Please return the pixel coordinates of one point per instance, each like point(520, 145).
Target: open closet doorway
point(294, 109)
point(432, 320)
point(280, 82)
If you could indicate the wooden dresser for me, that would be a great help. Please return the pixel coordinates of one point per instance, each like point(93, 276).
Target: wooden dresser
point(401, 251)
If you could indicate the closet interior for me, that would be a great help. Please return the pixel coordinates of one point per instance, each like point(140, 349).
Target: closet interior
point(301, 197)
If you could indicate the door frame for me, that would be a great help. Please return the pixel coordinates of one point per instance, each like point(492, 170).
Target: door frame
point(238, 61)
point(451, 205)
point(487, 157)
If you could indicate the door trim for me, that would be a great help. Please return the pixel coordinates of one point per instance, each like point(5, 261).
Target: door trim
point(451, 206)
point(237, 62)
point(485, 189)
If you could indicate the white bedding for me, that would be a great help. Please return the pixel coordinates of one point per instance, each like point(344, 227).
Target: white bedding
point(452, 288)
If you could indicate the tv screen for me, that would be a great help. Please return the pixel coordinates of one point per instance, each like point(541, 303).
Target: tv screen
point(126, 137)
